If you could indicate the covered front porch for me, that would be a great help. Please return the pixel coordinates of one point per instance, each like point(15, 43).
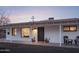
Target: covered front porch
point(52, 32)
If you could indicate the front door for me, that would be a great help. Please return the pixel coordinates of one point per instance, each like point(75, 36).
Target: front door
point(40, 33)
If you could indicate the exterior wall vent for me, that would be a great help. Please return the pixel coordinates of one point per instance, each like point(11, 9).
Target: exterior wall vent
point(52, 18)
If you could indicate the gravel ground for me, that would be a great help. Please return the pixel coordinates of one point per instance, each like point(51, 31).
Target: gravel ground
point(27, 48)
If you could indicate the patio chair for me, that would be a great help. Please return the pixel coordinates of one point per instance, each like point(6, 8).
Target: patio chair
point(76, 40)
point(67, 40)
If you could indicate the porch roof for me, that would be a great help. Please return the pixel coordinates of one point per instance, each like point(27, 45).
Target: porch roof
point(56, 21)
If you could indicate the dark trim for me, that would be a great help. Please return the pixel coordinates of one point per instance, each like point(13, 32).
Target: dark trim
point(25, 36)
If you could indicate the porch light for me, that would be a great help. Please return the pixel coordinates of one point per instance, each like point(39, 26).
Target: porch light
point(35, 30)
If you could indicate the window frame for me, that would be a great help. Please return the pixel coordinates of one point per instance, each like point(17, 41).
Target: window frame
point(14, 31)
point(21, 32)
point(69, 28)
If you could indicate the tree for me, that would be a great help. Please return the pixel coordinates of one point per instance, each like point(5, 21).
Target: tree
point(4, 19)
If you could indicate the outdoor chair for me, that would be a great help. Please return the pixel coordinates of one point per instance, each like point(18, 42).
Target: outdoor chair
point(76, 40)
point(67, 40)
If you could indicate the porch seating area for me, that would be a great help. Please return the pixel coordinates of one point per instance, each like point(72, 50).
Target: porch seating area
point(76, 40)
point(68, 41)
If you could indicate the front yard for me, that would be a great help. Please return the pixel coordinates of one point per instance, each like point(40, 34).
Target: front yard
point(28, 48)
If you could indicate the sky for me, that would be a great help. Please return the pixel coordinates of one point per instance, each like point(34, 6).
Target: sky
point(24, 13)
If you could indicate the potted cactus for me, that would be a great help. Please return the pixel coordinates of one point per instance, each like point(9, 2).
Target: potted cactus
point(33, 39)
point(46, 40)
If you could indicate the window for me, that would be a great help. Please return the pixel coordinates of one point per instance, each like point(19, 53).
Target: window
point(70, 28)
point(73, 28)
point(66, 28)
point(25, 32)
point(13, 31)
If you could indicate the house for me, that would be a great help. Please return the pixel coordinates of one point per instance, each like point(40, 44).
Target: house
point(53, 30)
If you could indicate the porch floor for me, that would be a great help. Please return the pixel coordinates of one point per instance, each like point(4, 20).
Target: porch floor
point(39, 43)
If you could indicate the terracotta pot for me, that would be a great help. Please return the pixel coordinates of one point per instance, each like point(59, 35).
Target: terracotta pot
point(47, 41)
point(33, 40)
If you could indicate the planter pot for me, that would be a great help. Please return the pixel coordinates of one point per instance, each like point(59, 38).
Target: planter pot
point(47, 41)
point(33, 40)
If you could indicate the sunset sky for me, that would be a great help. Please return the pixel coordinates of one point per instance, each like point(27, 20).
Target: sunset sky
point(24, 13)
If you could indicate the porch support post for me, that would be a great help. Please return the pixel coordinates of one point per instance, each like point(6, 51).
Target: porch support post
point(30, 33)
point(60, 34)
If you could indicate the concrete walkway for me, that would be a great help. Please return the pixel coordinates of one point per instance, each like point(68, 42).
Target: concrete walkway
point(38, 43)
